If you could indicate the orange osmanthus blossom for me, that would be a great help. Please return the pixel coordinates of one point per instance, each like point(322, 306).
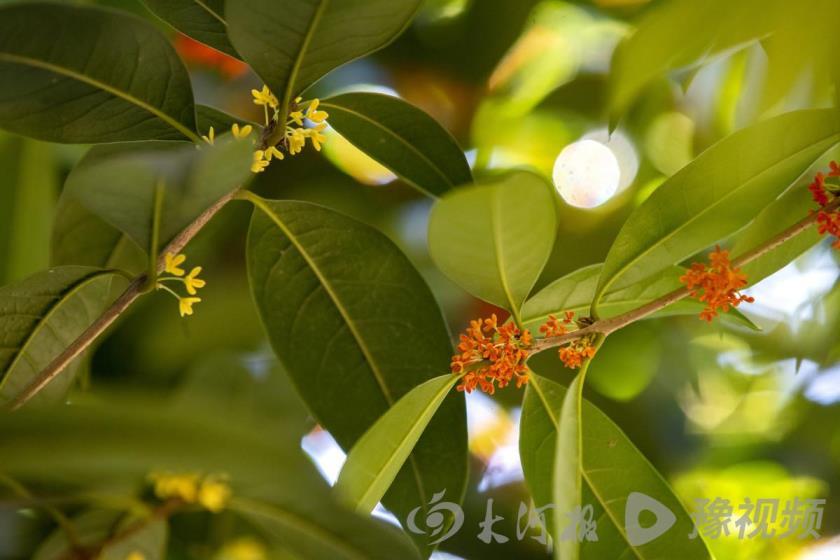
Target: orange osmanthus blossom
point(716, 285)
point(828, 221)
point(490, 355)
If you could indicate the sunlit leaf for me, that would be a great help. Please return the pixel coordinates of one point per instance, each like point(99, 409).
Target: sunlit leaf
point(717, 194)
point(40, 317)
point(612, 468)
point(292, 44)
point(373, 463)
point(203, 20)
point(80, 74)
point(402, 138)
point(356, 328)
point(567, 481)
point(493, 239)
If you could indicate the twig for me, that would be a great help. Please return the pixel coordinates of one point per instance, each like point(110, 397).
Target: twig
point(612, 324)
point(135, 289)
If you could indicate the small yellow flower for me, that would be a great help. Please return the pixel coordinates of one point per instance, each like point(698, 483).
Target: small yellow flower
point(214, 494)
point(316, 137)
point(296, 117)
point(192, 281)
point(185, 305)
point(172, 262)
point(210, 137)
point(272, 153)
point(297, 141)
point(243, 132)
point(264, 97)
point(181, 486)
point(313, 114)
point(243, 548)
point(136, 555)
point(260, 162)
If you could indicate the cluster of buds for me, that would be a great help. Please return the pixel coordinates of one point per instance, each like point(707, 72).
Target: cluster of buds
point(825, 189)
point(716, 285)
point(491, 355)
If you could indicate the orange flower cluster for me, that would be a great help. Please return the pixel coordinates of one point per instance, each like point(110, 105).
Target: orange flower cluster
point(716, 285)
point(828, 222)
point(491, 355)
point(578, 350)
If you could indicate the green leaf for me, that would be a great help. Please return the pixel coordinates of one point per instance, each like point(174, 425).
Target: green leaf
point(146, 535)
point(117, 182)
point(96, 444)
point(494, 239)
point(373, 463)
point(334, 534)
point(292, 44)
point(717, 194)
point(220, 121)
point(28, 190)
point(792, 207)
point(85, 75)
point(356, 328)
point(576, 291)
point(402, 138)
point(567, 480)
point(40, 317)
point(611, 467)
point(203, 20)
point(80, 237)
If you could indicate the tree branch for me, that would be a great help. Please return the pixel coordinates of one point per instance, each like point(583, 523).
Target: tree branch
point(137, 287)
point(612, 324)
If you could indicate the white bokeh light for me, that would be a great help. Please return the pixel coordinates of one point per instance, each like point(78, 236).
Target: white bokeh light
point(586, 174)
point(622, 147)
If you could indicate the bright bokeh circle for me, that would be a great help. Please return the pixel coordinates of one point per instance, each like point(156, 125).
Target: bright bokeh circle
point(586, 174)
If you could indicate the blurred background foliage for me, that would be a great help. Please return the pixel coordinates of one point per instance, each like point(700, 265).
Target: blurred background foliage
point(720, 410)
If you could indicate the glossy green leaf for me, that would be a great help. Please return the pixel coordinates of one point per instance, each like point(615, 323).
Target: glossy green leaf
point(402, 138)
point(717, 194)
point(373, 463)
point(292, 44)
point(80, 237)
point(203, 20)
point(42, 315)
point(575, 292)
point(494, 239)
point(356, 328)
point(117, 182)
point(790, 208)
point(60, 82)
point(28, 191)
point(566, 482)
point(611, 467)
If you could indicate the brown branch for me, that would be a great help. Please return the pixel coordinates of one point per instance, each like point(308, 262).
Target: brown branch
point(612, 324)
point(135, 289)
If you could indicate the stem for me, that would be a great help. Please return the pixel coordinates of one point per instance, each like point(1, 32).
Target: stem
point(612, 324)
point(134, 290)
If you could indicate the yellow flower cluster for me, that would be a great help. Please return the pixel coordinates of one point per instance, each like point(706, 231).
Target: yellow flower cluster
point(242, 548)
point(212, 492)
point(296, 130)
point(192, 283)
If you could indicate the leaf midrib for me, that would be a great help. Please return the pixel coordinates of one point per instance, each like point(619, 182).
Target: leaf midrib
point(25, 60)
point(260, 203)
point(602, 289)
point(298, 62)
point(210, 11)
point(400, 138)
point(498, 252)
point(583, 472)
point(438, 398)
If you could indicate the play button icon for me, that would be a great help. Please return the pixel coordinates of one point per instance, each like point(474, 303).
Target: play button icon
point(637, 503)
